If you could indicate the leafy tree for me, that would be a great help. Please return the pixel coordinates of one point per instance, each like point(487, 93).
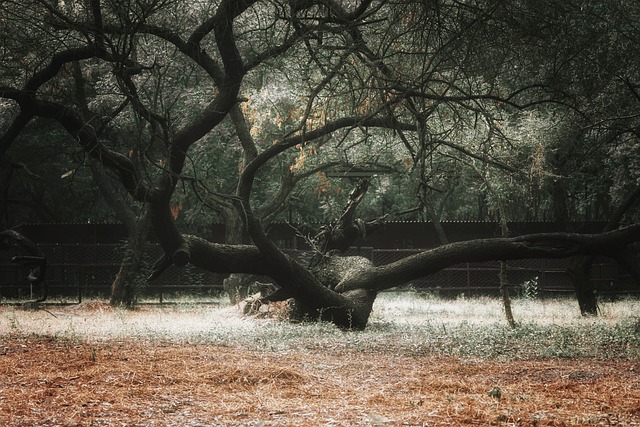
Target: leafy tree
point(594, 65)
point(431, 84)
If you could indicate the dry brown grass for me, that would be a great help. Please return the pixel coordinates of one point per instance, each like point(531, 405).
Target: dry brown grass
point(62, 381)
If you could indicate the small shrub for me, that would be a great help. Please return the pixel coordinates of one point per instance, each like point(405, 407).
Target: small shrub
point(529, 289)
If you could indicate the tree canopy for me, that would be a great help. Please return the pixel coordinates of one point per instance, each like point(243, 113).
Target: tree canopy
point(240, 109)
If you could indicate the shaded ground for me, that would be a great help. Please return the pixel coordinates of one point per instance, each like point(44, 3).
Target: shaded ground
point(69, 380)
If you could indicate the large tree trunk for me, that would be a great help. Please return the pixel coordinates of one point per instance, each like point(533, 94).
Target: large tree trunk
point(584, 289)
point(585, 292)
point(129, 279)
point(580, 271)
point(236, 285)
point(334, 269)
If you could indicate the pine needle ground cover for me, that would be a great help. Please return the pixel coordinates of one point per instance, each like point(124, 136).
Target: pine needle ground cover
point(421, 362)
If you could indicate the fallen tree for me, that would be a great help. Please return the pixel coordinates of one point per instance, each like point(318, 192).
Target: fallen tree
point(348, 302)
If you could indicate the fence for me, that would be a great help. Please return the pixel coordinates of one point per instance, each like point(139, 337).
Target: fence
point(87, 270)
point(527, 276)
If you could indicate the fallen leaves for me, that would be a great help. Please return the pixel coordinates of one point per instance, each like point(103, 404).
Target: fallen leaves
point(51, 382)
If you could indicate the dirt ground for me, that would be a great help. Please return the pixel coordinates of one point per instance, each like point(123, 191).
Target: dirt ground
point(53, 382)
point(57, 381)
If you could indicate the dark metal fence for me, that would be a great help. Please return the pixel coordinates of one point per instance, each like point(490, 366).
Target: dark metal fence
point(527, 276)
point(87, 270)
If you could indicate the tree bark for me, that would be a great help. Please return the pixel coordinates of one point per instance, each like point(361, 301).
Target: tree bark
point(580, 271)
point(585, 293)
point(236, 285)
point(341, 234)
point(128, 281)
point(437, 226)
point(349, 303)
point(579, 274)
point(544, 245)
point(503, 276)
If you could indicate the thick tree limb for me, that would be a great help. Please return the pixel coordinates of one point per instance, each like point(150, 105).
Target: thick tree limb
point(629, 263)
point(85, 135)
point(342, 234)
point(285, 144)
point(222, 258)
point(546, 245)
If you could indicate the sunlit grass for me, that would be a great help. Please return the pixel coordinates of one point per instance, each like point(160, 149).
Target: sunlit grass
point(406, 323)
point(415, 308)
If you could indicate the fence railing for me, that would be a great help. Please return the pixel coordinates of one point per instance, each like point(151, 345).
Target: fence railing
point(88, 270)
point(527, 276)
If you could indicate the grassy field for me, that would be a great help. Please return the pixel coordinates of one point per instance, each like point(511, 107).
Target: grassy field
point(422, 361)
point(408, 322)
